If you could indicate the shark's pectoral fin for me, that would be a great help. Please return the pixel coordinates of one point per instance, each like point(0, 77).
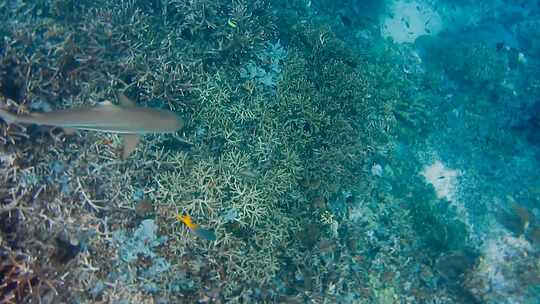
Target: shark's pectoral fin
point(105, 103)
point(124, 101)
point(130, 143)
point(69, 131)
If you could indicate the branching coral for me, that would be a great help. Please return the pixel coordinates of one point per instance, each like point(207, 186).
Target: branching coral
point(20, 278)
point(250, 166)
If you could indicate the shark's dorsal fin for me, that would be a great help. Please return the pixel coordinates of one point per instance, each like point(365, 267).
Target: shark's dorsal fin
point(124, 101)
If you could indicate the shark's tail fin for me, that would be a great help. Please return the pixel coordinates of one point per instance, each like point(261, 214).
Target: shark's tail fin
point(7, 117)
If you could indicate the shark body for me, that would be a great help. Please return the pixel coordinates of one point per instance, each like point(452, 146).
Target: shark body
point(127, 119)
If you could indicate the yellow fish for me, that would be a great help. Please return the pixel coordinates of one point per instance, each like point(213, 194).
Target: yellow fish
point(195, 228)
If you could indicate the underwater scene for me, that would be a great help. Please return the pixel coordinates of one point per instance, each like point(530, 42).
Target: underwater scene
point(270, 151)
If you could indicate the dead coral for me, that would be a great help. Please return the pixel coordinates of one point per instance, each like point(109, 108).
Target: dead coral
point(21, 278)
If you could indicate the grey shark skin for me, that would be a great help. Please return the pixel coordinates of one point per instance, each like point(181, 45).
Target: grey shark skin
point(127, 119)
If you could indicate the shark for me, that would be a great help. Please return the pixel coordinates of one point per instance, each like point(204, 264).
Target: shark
point(126, 119)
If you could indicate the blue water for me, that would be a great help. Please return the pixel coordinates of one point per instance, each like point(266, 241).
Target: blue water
point(331, 152)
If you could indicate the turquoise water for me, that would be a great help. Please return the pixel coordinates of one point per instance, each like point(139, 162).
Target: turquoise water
point(303, 151)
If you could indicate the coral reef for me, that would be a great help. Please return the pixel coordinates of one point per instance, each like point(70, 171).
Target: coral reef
point(506, 270)
point(74, 188)
point(269, 162)
point(19, 279)
point(473, 63)
point(292, 155)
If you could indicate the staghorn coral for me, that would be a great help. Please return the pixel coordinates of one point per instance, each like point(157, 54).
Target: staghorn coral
point(56, 186)
point(16, 277)
point(21, 279)
point(248, 165)
point(243, 173)
point(205, 25)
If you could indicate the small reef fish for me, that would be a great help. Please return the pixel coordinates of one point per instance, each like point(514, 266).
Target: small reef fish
point(232, 23)
point(206, 234)
point(127, 119)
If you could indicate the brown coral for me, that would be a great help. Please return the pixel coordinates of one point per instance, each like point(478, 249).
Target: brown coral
point(17, 278)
